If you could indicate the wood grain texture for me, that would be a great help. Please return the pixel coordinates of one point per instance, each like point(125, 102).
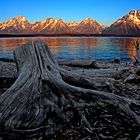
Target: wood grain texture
point(44, 91)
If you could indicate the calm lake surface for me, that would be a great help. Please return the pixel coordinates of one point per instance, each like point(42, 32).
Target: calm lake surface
point(70, 48)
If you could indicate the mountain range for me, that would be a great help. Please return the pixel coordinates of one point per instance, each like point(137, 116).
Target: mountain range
point(127, 25)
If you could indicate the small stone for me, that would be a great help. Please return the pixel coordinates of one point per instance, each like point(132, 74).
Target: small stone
point(138, 71)
point(116, 60)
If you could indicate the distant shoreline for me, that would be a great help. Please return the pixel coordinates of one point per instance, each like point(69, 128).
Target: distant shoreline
point(66, 35)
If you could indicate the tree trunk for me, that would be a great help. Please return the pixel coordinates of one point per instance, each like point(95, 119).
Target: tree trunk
point(43, 92)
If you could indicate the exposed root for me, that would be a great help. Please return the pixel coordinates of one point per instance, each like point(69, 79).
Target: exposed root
point(45, 97)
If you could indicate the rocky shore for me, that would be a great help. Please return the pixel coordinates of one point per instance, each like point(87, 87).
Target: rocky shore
point(119, 78)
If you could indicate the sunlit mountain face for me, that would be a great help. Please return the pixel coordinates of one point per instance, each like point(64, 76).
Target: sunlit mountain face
point(127, 25)
point(51, 25)
point(88, 26)
point(21, 25)
point(72, 25)
point(16, 25)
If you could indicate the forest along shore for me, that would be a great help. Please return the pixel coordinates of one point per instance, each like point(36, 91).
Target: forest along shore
point(116, 77)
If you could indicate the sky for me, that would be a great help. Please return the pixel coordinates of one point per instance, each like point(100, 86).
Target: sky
point(103, 11)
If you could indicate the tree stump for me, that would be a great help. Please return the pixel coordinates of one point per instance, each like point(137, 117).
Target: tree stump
point(44, 93)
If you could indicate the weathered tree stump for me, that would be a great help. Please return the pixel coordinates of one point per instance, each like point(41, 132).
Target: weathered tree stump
point(43, 94)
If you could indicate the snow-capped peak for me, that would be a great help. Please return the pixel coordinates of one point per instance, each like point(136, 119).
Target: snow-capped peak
point(133, 16)
point(47, 20)
point(21, 18)
point(127, 25)
point(73, 23)
point(88, 21)
point(134, 12)
point(58, 19)
point(17, 25)
point(88, 26)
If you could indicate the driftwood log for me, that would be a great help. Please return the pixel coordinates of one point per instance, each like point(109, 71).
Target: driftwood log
point(44, 94)
point(79, 63)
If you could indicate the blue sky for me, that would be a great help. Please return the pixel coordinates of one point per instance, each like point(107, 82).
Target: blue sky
point(104, 11)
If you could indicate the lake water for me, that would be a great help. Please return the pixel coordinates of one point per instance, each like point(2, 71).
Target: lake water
point(70, 48)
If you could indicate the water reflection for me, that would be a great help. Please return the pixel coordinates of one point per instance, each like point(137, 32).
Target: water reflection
point(126, 45)
point(77, 47)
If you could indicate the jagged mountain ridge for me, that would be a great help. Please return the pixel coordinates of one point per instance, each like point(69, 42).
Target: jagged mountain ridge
point(127, 25)
point(50, 25)
point(88, 26)
point(15, 25)
point(21, 25)
point(72, 25)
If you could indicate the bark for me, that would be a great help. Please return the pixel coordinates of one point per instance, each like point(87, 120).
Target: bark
point(44, 93)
